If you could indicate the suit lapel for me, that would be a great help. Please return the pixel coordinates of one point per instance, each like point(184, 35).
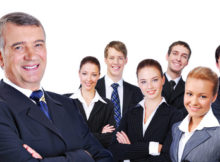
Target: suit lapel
point(197, 138)
point(160, 115)
point(97, 106)
point(166, 89)
point(81, 109)
point(14, 98)
point(176, 138)
point(179, 90)
point(137, 121)
point(100, 87)
point(127, 96)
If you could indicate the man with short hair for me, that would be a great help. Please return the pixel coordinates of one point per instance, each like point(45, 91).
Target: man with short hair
point(37, 125)
point(216, 104)
point(112, 86)
point(177, 56)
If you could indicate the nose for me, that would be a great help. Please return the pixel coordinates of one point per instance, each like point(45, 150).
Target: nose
point(115, 61)
point(89, 77)
point(29, 53)
point(194, 101)
point(149, 85)
point(179, 57)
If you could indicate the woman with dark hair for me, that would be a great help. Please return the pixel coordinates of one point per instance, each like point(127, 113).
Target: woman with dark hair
point(144, 129)
point(97, 111)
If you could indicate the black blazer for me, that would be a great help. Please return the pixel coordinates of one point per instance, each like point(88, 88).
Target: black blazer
point(159, 130)
point(101, 115)
point(22, 122)
point(216, 105)
point(175, 98)
point(132, 95)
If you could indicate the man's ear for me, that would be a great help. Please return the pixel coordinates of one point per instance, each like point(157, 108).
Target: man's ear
point(167, 56)
point(217, 65)
point(1, 60)
point(126, 60)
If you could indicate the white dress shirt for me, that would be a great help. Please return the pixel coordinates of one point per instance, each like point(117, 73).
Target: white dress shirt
point(87, 109)
point(109, 90)
point(153, 146)
point(209, 120)
point(26, 92)
point(175, 80)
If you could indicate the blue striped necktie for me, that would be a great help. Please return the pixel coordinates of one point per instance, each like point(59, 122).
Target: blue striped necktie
point(116, 102)
point(39, 98)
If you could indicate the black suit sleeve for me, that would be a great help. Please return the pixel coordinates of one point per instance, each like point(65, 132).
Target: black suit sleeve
point(124, 151)
point(12, 146)
point(106, 138)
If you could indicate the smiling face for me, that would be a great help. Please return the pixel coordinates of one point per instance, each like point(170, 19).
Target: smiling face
point(89, 75)
point(115, 62)
point(24, 55)
point(177, 59)
point(150, 82)
point(198, 97)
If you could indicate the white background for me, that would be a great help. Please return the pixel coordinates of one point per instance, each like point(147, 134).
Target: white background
point(78, 28)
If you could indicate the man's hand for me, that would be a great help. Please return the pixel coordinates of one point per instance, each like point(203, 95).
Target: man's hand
point(32, 152)
point(122, 138)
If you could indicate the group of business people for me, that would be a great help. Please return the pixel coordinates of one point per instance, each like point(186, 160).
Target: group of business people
point(106, 119)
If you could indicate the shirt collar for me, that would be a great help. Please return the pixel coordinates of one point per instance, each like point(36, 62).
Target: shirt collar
point(175, 80)
point(141, 103)
point(209, 120)
point(78, 95)
point(26, 92)
point(109, 81)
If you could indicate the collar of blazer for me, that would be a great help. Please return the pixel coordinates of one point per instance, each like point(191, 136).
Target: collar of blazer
point(20, 104)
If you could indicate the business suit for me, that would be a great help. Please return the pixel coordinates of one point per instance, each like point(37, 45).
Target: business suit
point(203, 145)
point(175, 98)
point(216, 105)
point(157, 131)
point(59, 140)
point(131, 94)
point(101, 115)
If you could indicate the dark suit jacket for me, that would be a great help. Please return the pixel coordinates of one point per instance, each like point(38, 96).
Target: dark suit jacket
point(132, 95)
point(216, 105)
point(175, 98)
point(22, 122)
point(159, 130)
point(101, 115)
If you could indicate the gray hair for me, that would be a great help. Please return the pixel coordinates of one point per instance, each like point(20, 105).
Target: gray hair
point(20, 19)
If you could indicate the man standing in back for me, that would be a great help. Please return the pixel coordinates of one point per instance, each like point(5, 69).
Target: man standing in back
point(177, 57)
point(123, 94)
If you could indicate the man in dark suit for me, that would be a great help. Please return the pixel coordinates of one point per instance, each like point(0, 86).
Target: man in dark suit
point(216, 104)
point(177, 56)
point(46, 126)
point(116, 58)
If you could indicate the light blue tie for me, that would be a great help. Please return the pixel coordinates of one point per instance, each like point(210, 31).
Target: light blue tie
point(38, 97)
point(116, 102)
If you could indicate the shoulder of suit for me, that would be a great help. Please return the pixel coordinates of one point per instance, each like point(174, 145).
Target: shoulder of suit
point(131, 86)
point(57, 96)
point(67, 94)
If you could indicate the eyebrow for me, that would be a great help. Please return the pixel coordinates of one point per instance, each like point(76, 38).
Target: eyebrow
point(22, 42)
point(17, 43)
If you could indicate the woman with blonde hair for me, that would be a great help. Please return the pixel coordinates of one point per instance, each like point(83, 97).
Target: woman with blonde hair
point(196, 138)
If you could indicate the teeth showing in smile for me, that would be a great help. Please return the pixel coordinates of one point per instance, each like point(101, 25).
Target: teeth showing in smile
point(115, 67)
point(151, 92)
point(30, 67)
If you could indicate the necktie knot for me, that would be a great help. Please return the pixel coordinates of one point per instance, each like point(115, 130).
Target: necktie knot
point(115, 85)
point(172, 84)
point(37, 96)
